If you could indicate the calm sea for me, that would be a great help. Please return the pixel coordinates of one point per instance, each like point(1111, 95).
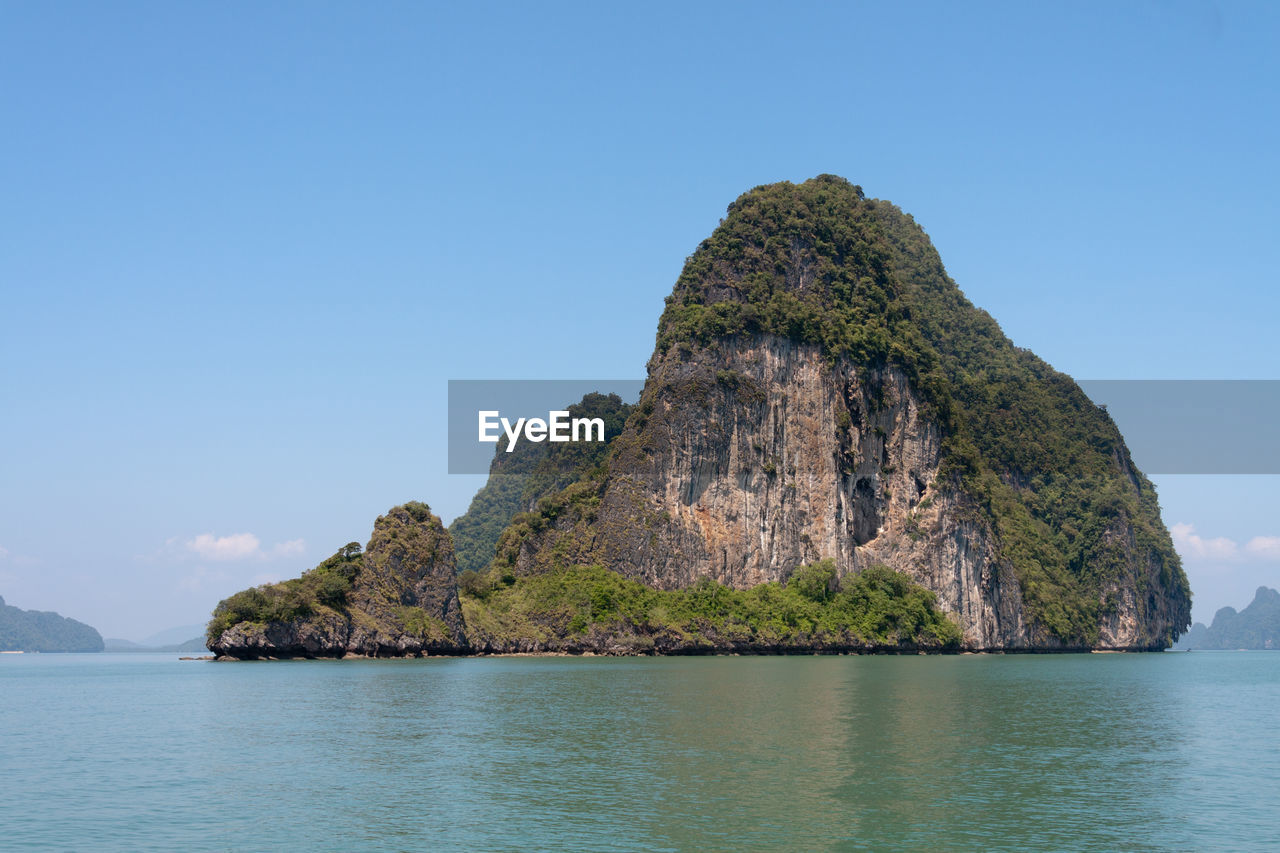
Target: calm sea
point(1074, 752)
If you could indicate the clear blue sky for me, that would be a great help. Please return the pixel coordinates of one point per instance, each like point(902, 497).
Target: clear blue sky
point(243, 246)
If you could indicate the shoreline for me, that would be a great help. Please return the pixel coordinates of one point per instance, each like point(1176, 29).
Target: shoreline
point(845, 652)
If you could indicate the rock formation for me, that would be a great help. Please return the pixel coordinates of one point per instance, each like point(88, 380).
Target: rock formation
point(398, 597)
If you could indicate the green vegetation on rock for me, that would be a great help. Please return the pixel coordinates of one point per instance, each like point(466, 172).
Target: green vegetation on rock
point(475, 533)
point(322, 589)
point(589, 608)
point(570, 462)
point(807, 262)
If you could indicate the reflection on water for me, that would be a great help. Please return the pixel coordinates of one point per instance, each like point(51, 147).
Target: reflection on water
point(986, 751)
point(1092, 752)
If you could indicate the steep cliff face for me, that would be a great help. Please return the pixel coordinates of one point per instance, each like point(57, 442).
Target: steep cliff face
point(759, 456)
point(821, 389)
point(398, 597)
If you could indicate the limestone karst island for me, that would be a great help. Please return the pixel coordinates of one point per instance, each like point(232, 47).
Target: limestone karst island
point(834, 451)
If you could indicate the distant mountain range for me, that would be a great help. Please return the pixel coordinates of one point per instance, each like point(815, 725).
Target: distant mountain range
point(44, 631)
point(195, 644)
point(1255, 627)
point(184, 638)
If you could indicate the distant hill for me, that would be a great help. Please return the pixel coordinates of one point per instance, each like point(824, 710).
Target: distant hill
point(1255, 627)
point(42, 631)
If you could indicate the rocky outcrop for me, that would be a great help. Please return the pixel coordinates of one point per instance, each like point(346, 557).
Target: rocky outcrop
point(401, 600)
point(310, 637)
point(407, 586)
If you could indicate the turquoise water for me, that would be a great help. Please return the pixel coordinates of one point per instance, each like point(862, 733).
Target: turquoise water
point(1072, 752)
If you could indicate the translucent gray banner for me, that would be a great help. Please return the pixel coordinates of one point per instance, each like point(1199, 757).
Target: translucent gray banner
point(1172, 426)
point(1195, 426)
